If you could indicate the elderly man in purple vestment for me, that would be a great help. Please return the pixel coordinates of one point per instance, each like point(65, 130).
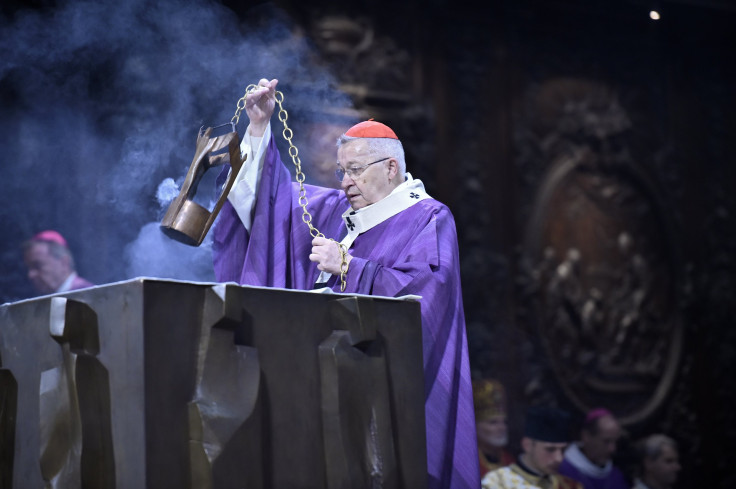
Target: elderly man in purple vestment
point(399, 241)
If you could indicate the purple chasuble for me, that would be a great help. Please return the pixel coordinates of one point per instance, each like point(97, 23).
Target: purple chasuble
point(413, 252)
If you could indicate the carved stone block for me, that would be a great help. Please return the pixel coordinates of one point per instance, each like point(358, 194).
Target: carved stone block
point(155, 384)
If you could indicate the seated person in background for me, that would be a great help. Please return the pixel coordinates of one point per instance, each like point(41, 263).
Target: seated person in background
point(489, 399)
point(657, 462)
point(51, 265)
point(545, 437)
point(590, 459)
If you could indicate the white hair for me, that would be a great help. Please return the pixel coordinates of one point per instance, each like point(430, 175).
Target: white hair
point(381, 147)
point(651, 446)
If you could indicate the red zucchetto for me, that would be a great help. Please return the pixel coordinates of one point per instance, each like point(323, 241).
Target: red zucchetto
point(371, 129)
point(50, 235)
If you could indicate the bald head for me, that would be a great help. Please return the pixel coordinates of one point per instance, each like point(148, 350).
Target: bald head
point(599, 438)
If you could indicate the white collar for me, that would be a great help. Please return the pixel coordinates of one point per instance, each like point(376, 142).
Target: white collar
point(401, 198)
point(576, 457)
point(67, 284)
point(357, 222)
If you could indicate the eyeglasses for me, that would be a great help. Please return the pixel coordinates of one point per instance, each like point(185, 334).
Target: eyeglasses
point(355, 171)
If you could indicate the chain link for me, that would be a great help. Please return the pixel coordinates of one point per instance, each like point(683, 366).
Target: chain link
point(300, 177)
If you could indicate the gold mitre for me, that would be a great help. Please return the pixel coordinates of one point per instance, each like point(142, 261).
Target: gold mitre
point(489, 399)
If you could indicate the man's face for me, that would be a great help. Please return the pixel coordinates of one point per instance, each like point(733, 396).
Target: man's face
point(663, 469)
point(543, 457)
point(600, 447)
point(492, 431)
point(45, 271)
point(373, 183)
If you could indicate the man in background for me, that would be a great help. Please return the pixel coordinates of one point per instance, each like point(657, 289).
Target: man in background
point(658, 462)
point(50, 264)
point(546, 435)
point(489, 400)
point(591, 459)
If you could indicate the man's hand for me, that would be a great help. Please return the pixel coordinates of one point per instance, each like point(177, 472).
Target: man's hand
point(326, 253)
point(259, 106)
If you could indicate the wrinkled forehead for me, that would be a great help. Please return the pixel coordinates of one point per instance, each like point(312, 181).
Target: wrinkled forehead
point(38, 253)
point(353, 152)
point(38, 248)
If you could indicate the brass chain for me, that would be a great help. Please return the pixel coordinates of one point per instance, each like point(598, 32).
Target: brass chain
point(294, 153)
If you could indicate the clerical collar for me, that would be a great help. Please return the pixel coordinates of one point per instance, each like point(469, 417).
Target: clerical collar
point(526, 468)
point(357, 222)
point(67, 284)
point(577, 458)
point(401, 198)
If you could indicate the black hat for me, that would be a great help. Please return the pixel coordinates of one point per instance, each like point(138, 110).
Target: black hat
point(547, 424)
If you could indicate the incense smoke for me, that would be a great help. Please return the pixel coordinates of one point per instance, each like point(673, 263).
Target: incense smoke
point(101, 106)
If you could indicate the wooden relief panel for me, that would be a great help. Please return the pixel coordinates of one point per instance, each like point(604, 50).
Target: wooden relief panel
point(601, 258)
point(608, 311)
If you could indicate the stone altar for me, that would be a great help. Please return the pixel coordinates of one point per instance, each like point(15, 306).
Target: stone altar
point(154, 383)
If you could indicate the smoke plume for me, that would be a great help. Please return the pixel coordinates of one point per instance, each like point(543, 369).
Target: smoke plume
point(101, 106)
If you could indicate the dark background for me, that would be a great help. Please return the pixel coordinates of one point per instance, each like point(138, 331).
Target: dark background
point(586, 151)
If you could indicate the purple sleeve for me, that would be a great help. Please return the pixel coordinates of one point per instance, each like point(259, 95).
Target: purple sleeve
point(259, 257)
point(228, 245)
point(276, 251)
